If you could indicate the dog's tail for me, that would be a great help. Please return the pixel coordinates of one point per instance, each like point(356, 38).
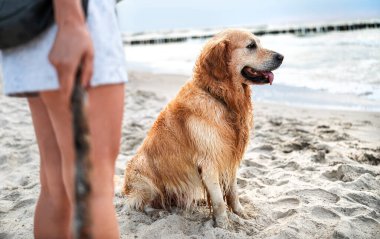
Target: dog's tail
point(140, 191)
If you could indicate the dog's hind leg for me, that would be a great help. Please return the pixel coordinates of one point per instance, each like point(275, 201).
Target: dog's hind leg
point(233, 200)
point(211, 182)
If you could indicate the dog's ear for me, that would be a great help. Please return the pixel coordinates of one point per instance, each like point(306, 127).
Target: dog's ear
point(216, 56)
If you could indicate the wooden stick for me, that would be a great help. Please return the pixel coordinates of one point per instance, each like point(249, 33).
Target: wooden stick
point(82, 221)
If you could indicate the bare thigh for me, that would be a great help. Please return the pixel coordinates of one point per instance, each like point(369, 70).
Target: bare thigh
point(50, 155)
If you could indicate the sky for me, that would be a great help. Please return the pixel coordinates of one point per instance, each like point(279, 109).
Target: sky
point(155, 15)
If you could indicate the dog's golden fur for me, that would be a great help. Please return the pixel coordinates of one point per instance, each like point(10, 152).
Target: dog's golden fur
point(198, 141)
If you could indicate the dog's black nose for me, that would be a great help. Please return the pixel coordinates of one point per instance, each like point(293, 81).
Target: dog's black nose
point(279, 57)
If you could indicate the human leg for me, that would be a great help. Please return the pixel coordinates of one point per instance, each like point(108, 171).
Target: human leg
point(105, 110)
point(52, 217)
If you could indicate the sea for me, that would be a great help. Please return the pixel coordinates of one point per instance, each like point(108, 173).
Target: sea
point(335, 70)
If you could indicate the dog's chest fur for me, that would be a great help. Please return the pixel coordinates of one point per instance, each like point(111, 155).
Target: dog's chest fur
point(241, 124)
point(233, 121)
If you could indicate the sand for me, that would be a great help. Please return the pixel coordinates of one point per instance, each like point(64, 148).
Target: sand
point(307, 173)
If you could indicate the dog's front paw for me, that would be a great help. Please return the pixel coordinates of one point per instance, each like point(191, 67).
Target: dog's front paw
point(239, 210)
point(222, 221)
point(242, 214)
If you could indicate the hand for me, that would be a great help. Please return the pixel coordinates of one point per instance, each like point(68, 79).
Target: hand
point(72, 47)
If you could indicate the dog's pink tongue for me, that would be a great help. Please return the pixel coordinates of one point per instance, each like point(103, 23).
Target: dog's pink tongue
point(269, 75)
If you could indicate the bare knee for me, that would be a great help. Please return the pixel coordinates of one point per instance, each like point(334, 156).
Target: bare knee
point(103, 156)
point(56, 201)
point(102, 176)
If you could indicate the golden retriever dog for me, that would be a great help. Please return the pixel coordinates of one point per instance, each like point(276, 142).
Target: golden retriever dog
point(195, 146)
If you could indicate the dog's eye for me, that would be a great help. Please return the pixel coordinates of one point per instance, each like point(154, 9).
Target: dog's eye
point(252, 45)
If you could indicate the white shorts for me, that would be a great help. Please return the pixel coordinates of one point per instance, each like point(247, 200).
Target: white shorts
point(26, 69)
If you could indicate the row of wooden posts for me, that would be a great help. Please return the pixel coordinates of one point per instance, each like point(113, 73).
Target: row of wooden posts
point(301, 31)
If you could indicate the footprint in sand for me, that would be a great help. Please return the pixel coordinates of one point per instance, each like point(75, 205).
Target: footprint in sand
point(267, 181)
point(24, 203)
point(241, 182)
point(264, 147)
point(248, 183)
point(252, 172)
point(284, 214)
point(298, 144)
point(284, 207)
point(365, 198)
point(250, 163)
point(314, 195)
point(365, 182)
point(12, 196)
point(324, 213)
point(286, 203)
point(354, 211)
point(290, 166)
point(360, 227)
point(346, 173)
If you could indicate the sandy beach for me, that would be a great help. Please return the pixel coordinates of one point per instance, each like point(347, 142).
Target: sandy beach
point(307, 173)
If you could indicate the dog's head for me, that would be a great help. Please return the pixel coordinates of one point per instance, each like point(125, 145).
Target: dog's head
point(239, 56)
